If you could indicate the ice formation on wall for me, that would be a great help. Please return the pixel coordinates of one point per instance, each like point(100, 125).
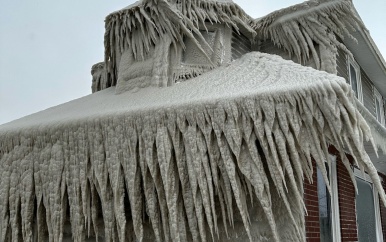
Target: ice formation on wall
point(186, 163)
point(300, 28)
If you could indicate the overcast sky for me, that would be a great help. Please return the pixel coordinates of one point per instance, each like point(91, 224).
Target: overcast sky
point(47, 47)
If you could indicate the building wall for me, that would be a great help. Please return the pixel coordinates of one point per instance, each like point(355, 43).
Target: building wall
point(311, 201)
point(346, 193)
point(366, 83)
point(347, 211)
point(368, 92)
point(347, 208)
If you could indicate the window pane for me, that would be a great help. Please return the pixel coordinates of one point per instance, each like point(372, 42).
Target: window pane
point(354, 81)
point(365, 212)
point(193, 55)
point(378, 109)
point(325, 218)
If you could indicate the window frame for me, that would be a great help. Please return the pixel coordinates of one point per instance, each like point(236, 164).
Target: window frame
point(355, 65)
point(378, 96)
point(378, 223)
point(334, 198)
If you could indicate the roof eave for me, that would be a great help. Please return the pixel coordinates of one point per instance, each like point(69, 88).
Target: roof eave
point(368, 57)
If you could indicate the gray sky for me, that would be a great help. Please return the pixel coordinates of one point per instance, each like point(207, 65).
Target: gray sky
point(47, 47)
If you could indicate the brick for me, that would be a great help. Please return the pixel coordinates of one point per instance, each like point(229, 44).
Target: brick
point(346, 197)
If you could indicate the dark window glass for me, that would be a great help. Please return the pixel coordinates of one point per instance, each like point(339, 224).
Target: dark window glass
point(325, 213)
point(365, 212)
point(354, 81)
point(378, 109)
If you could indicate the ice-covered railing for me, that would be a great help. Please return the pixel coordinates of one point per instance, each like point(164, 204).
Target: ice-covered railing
point(223, 155)
point(309, 30)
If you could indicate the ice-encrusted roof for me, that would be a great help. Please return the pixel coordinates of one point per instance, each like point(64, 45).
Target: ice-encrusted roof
point(140, 2)
point(296, 29)
point(299, 28)
point(256, 74)
point(195, 144)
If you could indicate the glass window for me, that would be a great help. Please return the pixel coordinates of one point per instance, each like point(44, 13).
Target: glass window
point(379, 106)
point(365, 212)
point(355, 78)
point(325, 211)
point(378, 109)
point(328, 204)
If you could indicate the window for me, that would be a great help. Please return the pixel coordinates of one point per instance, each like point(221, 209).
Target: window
point(379, 107)
point(328, 205)
point(367, 210)
point(355, 78)
point(193, 55)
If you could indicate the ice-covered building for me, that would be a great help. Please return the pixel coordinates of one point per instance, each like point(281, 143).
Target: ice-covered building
point(207, 125)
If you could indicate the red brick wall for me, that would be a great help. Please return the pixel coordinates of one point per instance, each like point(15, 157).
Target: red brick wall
point(311, 201)
point(346, 193)
point(383, 209)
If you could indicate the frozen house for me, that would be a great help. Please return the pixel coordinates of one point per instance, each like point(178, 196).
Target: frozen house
point(208, 125)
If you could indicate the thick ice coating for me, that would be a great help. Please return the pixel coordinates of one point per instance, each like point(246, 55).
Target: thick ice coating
point(305, 29)
point(192, 162)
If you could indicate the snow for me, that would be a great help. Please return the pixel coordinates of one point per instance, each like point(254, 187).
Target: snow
point(222, 156)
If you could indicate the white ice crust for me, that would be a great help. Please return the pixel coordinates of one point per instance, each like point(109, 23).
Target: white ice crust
point(226, 151)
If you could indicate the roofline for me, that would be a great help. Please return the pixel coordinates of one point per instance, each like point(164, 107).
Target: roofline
point(374, 48)
point(360, 32)
point(371, 43)
point(363, 34)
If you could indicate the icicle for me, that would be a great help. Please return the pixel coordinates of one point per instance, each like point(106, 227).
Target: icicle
point(168, 178)
point(149, 135)
point(183, 168)
point(183, 176)
point(149, 191)
point(166, 18)
point(282, 27)
point(132, 177)
point(207, 183)
point(230, 169)
point(27, 197)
